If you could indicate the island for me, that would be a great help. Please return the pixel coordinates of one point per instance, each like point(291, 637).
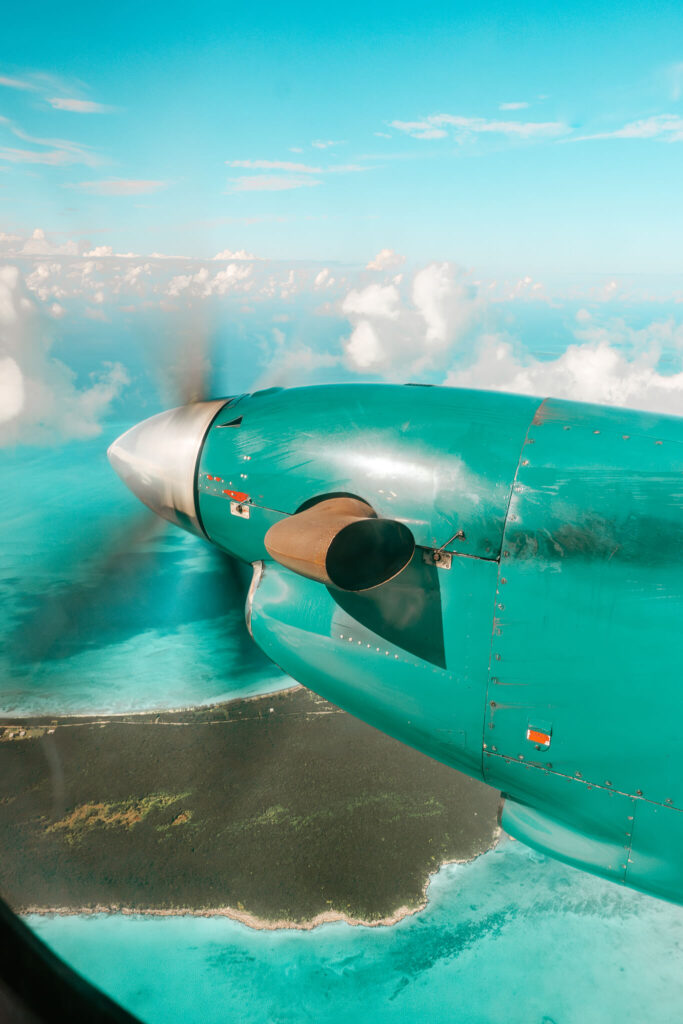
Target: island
point(279, 810)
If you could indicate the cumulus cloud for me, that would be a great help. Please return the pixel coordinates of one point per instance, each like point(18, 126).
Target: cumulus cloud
point(323, 279)
point(435, 321)
point(203, 284)
point(325, 143)
point(239, 254)
point(516, 105)
point(437, 126)
point(385, 259)
point(99, 251)
point(40, 245)
point(364, 349)
point(396, 335)
point(64, 270)
point(374, 301)
point(39, 398)
point(596, 371)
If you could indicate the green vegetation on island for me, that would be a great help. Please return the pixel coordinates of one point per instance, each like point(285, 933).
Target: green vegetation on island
point(282, 807)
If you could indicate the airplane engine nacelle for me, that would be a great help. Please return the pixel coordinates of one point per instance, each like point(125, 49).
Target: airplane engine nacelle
point(494, 579)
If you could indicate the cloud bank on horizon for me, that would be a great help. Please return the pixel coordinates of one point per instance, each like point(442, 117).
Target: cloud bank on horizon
point(387, 321)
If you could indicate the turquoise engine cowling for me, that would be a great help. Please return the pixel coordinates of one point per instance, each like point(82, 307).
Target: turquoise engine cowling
point(534, 641)
point(546, 658)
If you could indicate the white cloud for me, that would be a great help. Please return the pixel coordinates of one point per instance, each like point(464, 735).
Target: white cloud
point(525, 288)
point(39, 399)
point(56, 152)
point(446, 302)
point(99, 251)
point(374, 301)
point(325, 144)
point(295, 175)
point(119, 187)
point(517, 105)
point(596, 371)
point(385, 259)
point(435, 127)
point(78, 106)
point(420, 129)
point(49, 158)
point(40, 245)
point(275, 165)
point(271, 183)
point(17, 83)
point(397, 337)
point(667, 127)
point(323, 279)
point(364, 349)
point(11, 388)
point(234, 277)
point(239, 254)
point(382, 135)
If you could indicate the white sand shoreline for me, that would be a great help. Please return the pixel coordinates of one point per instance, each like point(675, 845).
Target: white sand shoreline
point(98, 716)
point(259, 923)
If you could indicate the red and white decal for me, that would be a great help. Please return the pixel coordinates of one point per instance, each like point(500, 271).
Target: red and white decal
point(541, 739)
point(237, 495)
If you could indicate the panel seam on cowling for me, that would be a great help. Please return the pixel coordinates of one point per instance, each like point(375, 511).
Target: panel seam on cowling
point(531, 423)
point(572, 778)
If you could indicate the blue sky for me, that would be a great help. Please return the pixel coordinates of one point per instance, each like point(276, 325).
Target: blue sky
point(512, 139)
point(460, 194)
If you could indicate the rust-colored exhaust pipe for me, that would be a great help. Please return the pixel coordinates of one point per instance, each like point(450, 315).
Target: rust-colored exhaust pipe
point(342, 543)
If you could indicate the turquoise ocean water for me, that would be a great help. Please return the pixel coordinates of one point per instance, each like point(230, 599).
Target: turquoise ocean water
point(512, 938)
point(104, 610)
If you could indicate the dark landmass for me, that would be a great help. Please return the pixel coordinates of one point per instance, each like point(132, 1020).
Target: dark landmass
point(278, 808)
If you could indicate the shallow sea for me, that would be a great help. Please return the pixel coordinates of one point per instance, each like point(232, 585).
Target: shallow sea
point(513, 938)
point(101, 609)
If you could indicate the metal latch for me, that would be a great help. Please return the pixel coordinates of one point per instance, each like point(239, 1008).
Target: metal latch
point(434, 556)
point(238, 508)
